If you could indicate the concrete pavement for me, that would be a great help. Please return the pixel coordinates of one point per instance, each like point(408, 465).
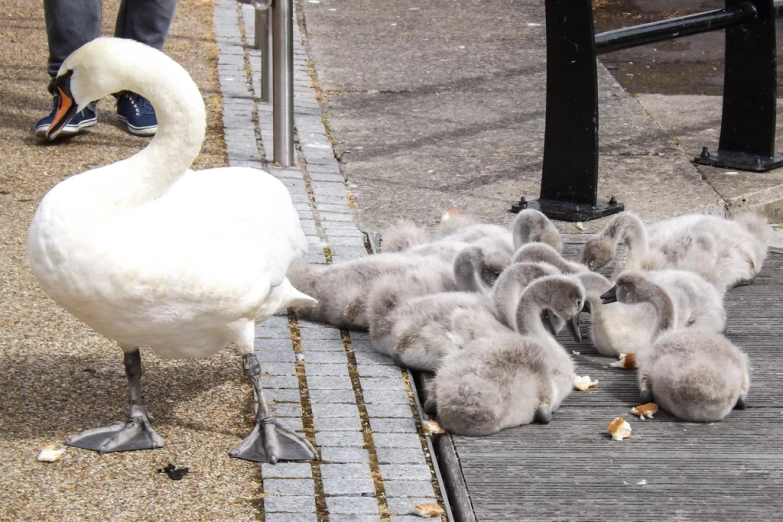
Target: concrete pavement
point(442, 104)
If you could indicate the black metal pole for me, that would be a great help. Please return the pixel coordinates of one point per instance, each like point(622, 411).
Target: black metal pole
point(569, 181)
point(747, 133)
point(678, 27)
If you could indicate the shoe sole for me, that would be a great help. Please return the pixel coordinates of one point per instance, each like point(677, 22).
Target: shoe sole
point(138, 131)
point(68, 130)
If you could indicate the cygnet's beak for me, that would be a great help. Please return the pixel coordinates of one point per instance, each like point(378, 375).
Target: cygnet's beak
point(66, 110)
point(586, 308)
point(573, 327)
point(550, 321)
point(610, 296)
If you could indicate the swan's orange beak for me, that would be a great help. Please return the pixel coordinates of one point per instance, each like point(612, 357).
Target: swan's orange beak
point(66, 108)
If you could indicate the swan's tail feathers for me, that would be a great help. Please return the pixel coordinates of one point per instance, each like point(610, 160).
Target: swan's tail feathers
point(299, 300)
point(756, 224)
point(402, 236)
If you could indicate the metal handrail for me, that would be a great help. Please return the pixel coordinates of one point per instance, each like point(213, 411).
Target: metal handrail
point(674, 28)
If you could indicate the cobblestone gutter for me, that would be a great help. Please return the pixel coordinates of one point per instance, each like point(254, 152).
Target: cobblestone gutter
point(352, 403)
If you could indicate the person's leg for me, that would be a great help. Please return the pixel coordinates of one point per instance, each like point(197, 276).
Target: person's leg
point(148, 22)
point(69, 25)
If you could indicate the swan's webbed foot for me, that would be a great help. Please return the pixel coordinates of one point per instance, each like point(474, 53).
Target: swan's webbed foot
point(271, 442)
point(742, 402)
point(544, 413)
point(645, 396)
point(430, 406)
point(135, 434)
point(742, 282)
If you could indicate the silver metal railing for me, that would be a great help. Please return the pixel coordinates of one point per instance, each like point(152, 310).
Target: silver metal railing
point(263, 43)
point(274, 36)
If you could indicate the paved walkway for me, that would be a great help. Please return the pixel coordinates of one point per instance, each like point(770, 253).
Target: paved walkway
point(354, 405)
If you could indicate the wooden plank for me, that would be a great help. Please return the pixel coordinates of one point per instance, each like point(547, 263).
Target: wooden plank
point(668, 470)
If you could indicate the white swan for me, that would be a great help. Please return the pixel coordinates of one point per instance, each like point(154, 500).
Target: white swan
point(149, 253)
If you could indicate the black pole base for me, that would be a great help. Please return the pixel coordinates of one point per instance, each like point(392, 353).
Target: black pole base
point(739, 160)
point(569, 211)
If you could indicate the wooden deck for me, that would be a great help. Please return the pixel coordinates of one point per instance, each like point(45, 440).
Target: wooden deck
point(669, 470)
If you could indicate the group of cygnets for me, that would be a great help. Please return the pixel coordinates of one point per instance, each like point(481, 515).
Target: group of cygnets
point(479, 304)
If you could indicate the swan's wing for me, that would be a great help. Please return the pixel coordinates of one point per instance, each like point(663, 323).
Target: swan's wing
point(221, 234)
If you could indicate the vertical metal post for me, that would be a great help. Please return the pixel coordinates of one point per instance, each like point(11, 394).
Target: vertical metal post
point(260, 29)
point(283, 81)
point(569, 181)
point(747, 133)
point(264, 43)
point(266, 59)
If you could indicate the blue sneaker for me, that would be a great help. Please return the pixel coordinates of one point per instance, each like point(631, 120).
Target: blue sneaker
point(78, 124)
point(136, 111)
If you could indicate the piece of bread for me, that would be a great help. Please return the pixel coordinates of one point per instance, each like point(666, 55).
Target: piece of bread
point(627, 361)
point(619, 429)
point(583, 382)
point(428, 510)
point(645, 411)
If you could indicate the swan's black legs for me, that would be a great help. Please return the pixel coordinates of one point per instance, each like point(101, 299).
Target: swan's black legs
point(645, 393)
point(269, 441)
point(136, 433)
point(544, 413)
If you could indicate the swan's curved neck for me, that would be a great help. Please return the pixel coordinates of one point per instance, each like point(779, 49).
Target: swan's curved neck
point(628, 228)
point(108, 65)
point(664, 307)
point(528, 316)
point(467, 270)
point(521, 232)
point(508, 288)
point(181, 128)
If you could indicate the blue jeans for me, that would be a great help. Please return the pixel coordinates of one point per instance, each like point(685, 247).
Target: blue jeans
point(72, 23)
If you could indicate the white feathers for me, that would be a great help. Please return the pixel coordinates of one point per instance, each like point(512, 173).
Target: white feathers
point(149, 253)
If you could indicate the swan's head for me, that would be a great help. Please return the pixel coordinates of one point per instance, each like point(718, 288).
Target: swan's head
point(531, 226)
point(109, 65)
point(631, 287)
point(89, 74)
point(561, 296)
point(598, 253)
point(482, 262)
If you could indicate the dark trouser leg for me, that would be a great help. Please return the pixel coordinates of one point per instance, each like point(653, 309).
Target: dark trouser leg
point(269, 441)
point(146, 21)
point(69, 25)
point(136, 433)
